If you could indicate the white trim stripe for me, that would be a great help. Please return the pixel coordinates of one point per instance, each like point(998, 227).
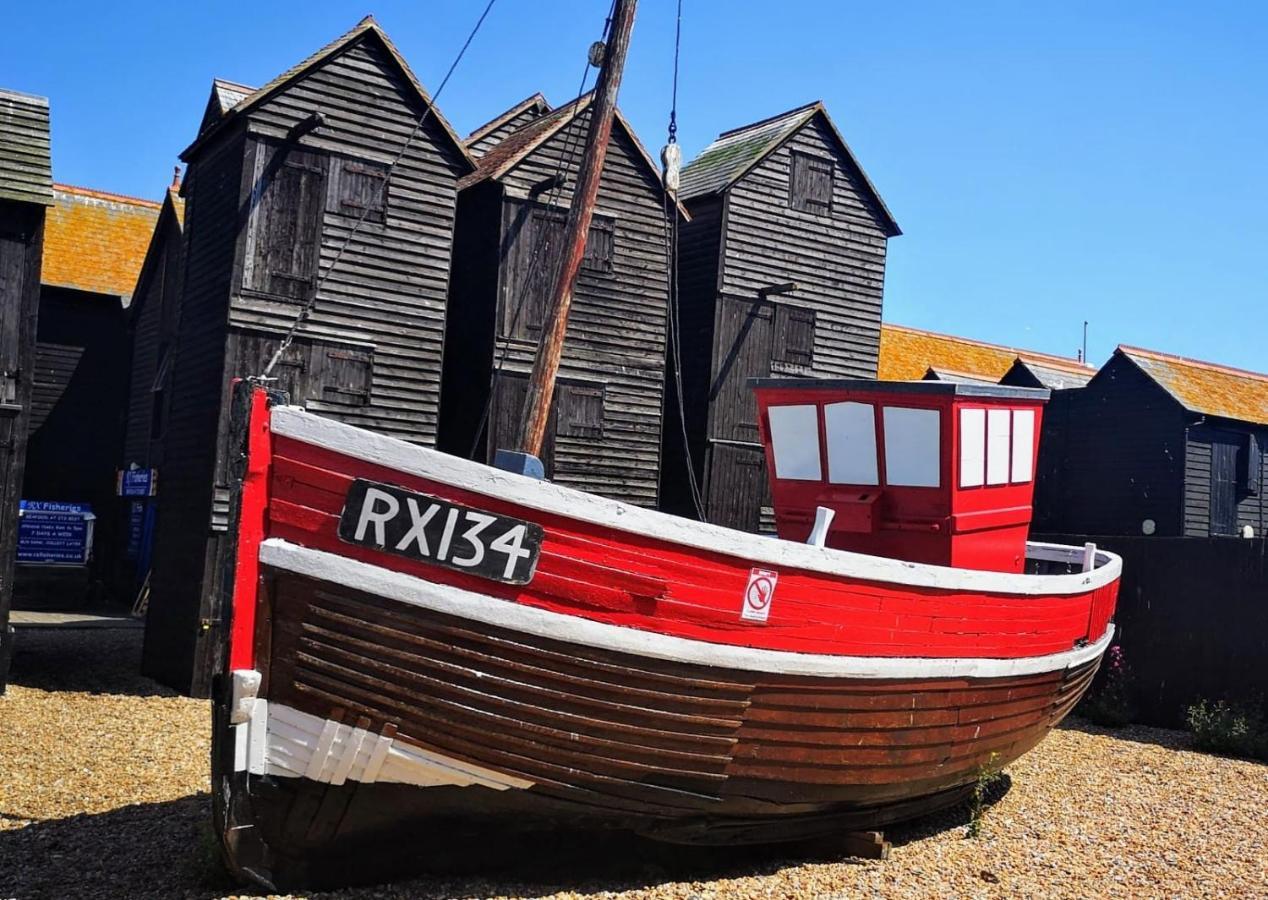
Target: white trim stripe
point(759, 550)
point(452, 601)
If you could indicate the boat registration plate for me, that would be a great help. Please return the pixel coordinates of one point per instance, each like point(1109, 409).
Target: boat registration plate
point(426, 528)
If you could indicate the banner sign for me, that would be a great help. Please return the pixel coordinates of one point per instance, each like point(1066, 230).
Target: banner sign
point(51, 533)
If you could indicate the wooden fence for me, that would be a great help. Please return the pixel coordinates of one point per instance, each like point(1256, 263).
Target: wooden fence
point(1192, 618)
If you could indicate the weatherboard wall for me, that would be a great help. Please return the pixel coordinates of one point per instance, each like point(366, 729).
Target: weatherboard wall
point(370, 353)
point(495, 136)
point(751, 237)
point(614, 352)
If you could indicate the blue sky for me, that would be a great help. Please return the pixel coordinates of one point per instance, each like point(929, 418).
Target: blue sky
point(1048, 162)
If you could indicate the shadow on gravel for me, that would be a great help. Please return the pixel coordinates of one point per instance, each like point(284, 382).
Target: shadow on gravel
point(167, 850)
point(148, 850)
point(93, 660)
point(958, 816)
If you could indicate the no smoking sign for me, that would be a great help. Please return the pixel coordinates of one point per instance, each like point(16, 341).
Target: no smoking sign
point(758, 595)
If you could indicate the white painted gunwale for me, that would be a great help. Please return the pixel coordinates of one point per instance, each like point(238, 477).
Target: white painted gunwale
point(453, 601)
point(293, 422)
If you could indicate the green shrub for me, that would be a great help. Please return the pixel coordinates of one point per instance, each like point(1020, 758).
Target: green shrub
point(1232, 728)
point(1114, 703)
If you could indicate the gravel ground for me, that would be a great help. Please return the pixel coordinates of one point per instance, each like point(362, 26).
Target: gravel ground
point(103, 792)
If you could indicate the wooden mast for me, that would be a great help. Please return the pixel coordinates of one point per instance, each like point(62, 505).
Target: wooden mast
point(541, 385)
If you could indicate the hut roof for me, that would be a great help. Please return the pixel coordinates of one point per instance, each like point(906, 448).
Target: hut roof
point(536, 101)
point(517, 146)
point(366, 29)
point(1054, 376)
point(1204, 387)
point(909, 353)
point(26, 172)
point(96, 241)
point(173, 208)
point(736, 152)
point(935, 373)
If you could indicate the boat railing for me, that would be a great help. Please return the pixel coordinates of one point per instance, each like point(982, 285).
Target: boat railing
point(1044, 558)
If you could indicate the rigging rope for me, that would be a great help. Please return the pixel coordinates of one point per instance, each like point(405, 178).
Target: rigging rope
point(671, 157)
point(307, 309)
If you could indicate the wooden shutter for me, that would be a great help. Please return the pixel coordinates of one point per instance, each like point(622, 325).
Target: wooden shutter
point(600, 246)
point(357, 187)
point(794, 344)
point(532, 261)
point(284, 237)
point(810, 184)
point(580, 410)
point(743, 351)
point(736, 486)
point(1250, 465)
point(509, 396)
point(13, 254)
point(342, 374)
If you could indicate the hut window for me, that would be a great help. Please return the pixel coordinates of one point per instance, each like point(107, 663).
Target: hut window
point(343, 374)
point(284, 237)
point(1023, 445)
point(972, 447)
point(810, 189)
point(851, 433)
point(357, 188)
point(912, 447)
point(158, 391)
point(580, 411)
point(794, 338)
point(794, 434)
point(600, 244)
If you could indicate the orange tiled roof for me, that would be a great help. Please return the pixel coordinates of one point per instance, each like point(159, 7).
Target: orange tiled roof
point(1205, 387)
point(96, 241)
point(908, 353)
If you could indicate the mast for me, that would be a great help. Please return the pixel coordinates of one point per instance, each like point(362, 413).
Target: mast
point(541, 385)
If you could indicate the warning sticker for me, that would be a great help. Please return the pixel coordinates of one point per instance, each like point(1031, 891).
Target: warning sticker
point(758, 595)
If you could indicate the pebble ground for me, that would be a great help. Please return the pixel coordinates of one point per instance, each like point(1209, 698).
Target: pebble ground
point(103, 793)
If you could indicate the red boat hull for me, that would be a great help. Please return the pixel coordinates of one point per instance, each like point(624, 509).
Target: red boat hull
point(369, 696)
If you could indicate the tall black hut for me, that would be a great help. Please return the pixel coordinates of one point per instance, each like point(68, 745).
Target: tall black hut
point(26, 189)
point(606, 414)
point(277, 181)
point(782, 269)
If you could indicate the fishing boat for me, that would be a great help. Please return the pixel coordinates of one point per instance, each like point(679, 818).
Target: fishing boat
point(420, 641)
point(421, 646)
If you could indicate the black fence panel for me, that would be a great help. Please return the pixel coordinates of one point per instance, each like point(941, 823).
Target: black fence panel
point(1192, 619)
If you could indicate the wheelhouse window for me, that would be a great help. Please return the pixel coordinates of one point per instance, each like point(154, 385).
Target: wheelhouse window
point(795, 442)
point(851, 432)
point(810, 187)
point(997, 446)
point(912, 447)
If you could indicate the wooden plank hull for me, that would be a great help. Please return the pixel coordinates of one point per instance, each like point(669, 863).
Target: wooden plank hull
point(373, 705)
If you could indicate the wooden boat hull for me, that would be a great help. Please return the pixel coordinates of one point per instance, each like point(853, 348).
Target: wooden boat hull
point(383, 712)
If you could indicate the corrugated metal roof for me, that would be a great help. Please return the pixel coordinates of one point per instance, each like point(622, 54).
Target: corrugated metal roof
point(735, 152)
point(26, 170)
point(367, 27)
point(1204, 387)
point(95, 241)
point(906, 354)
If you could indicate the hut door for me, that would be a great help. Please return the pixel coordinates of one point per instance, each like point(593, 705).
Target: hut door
point(743, 351)
point(1224, 484)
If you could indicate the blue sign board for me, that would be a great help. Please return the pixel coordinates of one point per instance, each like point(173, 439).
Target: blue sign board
point(137, 483)
point(54, 533)
point(136, 525)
